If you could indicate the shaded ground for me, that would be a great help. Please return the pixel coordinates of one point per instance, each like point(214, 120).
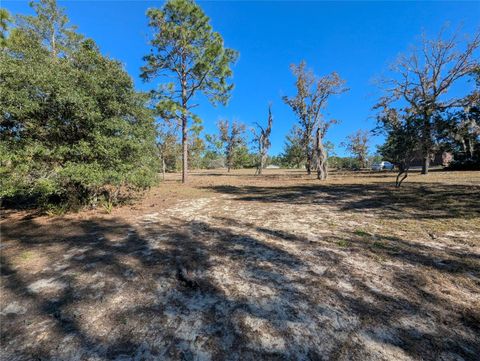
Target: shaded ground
point(234, 267)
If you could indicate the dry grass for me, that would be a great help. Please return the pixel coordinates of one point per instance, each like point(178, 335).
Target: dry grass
point(239, 267)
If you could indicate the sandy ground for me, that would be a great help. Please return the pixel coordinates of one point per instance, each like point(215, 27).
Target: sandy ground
point(237, 267)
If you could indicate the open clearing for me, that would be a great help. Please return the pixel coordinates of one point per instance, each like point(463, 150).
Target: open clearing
point(236, 267)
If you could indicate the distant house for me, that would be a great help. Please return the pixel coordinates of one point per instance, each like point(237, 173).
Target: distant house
point(272, 166)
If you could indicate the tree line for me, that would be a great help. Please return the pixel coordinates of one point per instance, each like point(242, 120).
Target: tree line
point(74, 131)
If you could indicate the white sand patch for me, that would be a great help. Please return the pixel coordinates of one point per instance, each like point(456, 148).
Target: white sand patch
point(190, 210)
point(260, 332)
point(376, 345)
point(61, 267)
point(459, 234)
point(76, 253)
point(46, 284)
point(345, 286)
point(420, 325)
point(14, 308)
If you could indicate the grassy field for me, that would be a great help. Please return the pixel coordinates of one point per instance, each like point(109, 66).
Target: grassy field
point(237, 267)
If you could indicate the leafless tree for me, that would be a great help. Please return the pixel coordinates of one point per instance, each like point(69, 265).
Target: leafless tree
point(262, 138)
point(312, 95)
point(423, 79)
point(231, 134)
point(357, 144)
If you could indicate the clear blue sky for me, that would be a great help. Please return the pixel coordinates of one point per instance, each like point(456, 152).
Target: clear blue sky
point(357, 39)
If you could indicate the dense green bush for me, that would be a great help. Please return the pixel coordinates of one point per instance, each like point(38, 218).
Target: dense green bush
point(464, 163)
point(73, 130)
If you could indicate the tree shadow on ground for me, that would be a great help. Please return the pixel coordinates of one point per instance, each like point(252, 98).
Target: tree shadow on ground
point(425, 200)
point(416, 254)
point(92, 248)
point(452, 331)
point(186, 290)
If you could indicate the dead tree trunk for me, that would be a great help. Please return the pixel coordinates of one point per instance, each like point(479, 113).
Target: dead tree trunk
point(260, 165)
point(263, 139)
point(229, 157)
point(262, 160)
point(322, 166)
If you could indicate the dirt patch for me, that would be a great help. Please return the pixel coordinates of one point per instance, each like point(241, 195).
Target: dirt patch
point(237, 267)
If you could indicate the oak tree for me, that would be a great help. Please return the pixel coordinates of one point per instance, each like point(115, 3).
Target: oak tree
point(402, 139)
point(73, 130)
point(357, 145)
point(293, 153)
point(231, 134)
point(422, 80)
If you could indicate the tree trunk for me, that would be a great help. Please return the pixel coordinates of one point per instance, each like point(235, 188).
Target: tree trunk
point(53, 42)
point(185, 149)
point(322, 171)
point(402, 170)
point(259, 169)
point(364, 162)
point(263, 157)
point(229, 158)
point(184, 124)
point(427, 143)
point(163, 168)
point(470, 148)
point(322, 166)
point(464, 146)
point(426, 164)
point(309, 163)
point(400, 179)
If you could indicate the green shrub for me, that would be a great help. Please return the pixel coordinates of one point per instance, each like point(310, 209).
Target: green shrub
point(73, 129)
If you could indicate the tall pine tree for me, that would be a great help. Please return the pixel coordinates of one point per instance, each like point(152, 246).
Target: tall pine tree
point(185, 47)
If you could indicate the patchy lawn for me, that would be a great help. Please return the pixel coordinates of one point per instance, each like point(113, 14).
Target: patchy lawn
point(237, 267)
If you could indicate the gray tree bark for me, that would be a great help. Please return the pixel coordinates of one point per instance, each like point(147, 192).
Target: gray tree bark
point(322, 165)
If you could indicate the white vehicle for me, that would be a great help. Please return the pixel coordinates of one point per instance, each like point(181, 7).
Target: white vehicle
point(384, 165)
